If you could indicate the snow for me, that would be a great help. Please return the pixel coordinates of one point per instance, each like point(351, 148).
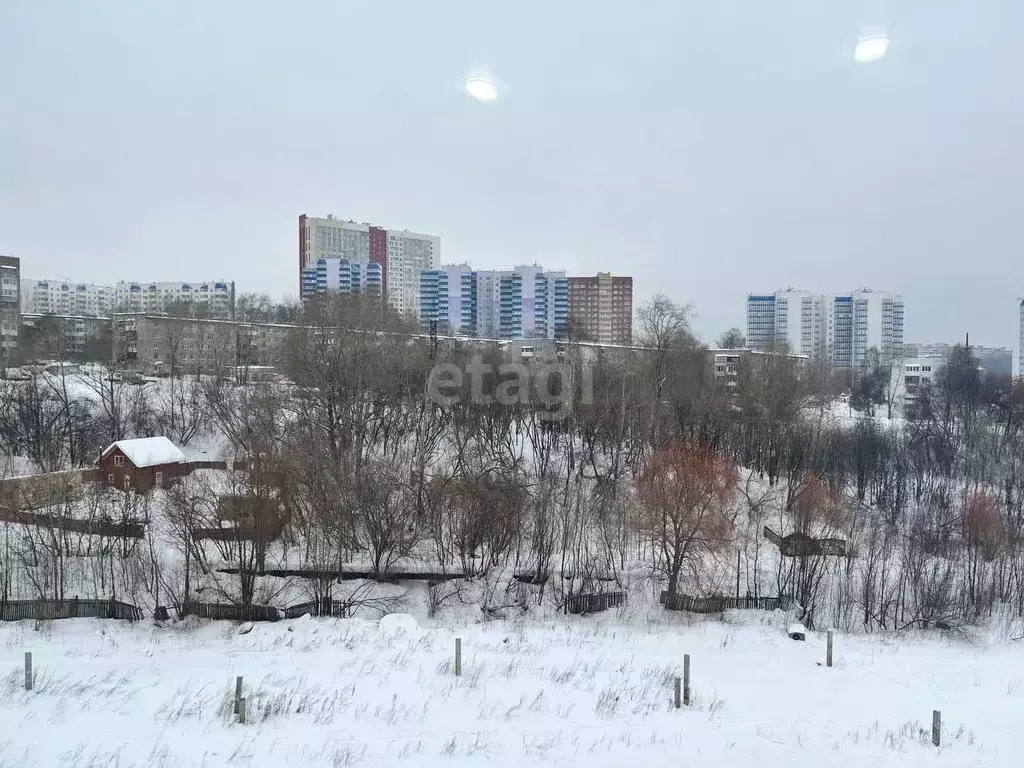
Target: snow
point(148, 451)
point(398, 624)
point(564, 691)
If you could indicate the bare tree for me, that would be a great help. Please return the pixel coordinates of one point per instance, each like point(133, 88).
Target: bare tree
point(686, 490)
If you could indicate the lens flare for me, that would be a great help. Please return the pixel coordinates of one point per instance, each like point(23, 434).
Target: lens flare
point(871, 48)
point(481, 89)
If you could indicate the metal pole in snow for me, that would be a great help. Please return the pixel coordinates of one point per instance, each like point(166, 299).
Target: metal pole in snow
point(686, 679)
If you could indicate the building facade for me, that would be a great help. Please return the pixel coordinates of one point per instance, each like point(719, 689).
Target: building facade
point(448, 298)
point(915, 374)
point(63, 297)
point(401, 255)
point(155, 344)
point(728, 369)
point(532, 303)
point(142, 464)
point(877, 322)
point(10, 308)
point(59, 337)
point(841, 328)
point(215, 298)
point(601, 309)
point(488, 303)
point(337, 275)
point(1020, 340)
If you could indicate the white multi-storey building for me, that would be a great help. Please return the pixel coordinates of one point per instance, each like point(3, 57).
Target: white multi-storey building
point(402, 255)
point(215, 298)
point(63, 297)
point(10, 307)
point(840, 327)
point(332, 275)
point(914, 374)
point(1020, 340)
point(798, 319)
point(488, 303)
point(409, 254)
point(448, 299)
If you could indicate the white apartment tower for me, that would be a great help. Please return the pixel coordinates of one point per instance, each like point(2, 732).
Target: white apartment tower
point(409, 254)
point(401, 254)
point(798, 319)
point(214, 298)
point(841, 328)
point(1020, 340)
point(63, 297)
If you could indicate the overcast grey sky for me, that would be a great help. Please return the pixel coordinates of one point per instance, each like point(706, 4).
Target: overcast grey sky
point(708, 148)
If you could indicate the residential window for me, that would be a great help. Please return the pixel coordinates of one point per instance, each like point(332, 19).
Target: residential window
point(119, 461)
point(110, 479)
point(127, 482)
point(159, 479)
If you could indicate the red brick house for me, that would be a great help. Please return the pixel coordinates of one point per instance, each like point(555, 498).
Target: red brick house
point(142, 464)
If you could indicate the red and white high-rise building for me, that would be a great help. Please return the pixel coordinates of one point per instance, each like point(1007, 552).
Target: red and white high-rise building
point(402, 254)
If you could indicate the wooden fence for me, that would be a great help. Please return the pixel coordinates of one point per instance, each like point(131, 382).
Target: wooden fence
point(333, 608)
point(36, 491)
point(720, 603)
point(44, 610)
point(98, 527)
point(594, 603)
point(231, 612)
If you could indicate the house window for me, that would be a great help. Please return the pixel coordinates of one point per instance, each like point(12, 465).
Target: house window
point(110, 479)
point(159, 479)
point(127, 482)
point(119, 461)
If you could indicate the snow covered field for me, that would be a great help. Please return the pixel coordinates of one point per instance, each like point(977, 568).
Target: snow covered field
point(567, 691)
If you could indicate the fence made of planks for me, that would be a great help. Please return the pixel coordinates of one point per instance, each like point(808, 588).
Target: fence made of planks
point(47, 610)
point(594, 603)
point(719, 603)
point(98, 527)
point(333, 608)
point(231, 612)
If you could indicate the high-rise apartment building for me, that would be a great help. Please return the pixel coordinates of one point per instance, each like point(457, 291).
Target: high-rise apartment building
point(488, 303)
point(1020, 340)
point(841, 328)
point(63, 297)
point(448, 297)
point(532, 304)
point(10, 307)
point(798, 319)
point(877, 324)
point(333, 275)
point(522, 303)
point(214, 299)
point(402, 255)
point(601, 309)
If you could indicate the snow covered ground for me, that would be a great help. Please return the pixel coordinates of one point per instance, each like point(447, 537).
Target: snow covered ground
point(591, 691)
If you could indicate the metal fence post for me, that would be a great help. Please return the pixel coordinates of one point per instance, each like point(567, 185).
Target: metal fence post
point(686, 679)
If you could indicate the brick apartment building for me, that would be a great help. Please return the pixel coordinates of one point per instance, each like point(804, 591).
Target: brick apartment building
point(601, 309)
point(166, 345)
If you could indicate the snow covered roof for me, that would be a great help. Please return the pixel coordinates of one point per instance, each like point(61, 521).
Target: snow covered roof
point(147, 451)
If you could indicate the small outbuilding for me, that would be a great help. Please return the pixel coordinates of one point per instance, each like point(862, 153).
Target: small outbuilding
point(142, 464)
